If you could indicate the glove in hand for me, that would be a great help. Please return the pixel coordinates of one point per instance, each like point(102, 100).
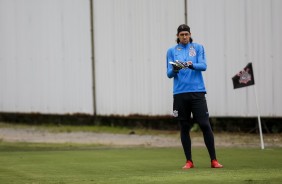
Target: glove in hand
point(178, 65)
point(176, 68)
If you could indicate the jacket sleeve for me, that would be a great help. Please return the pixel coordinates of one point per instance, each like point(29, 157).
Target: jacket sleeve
point(169, 57)
point(201, 58)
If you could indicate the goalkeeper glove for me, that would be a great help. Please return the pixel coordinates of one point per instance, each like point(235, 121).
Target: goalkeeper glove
point(176, 68)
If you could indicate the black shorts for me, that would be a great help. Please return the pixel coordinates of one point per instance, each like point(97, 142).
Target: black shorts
point(185, 104)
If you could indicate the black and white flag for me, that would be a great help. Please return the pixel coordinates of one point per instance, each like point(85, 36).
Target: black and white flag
point(244, 78)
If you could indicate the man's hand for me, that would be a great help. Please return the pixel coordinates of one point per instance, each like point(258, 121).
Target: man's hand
point(176, 68)
point(178, 65)
point(190, 65)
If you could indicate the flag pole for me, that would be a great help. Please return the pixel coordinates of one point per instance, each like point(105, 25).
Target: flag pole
point(259, 122)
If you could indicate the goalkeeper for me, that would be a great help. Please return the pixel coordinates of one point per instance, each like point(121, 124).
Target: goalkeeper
point(185, 63)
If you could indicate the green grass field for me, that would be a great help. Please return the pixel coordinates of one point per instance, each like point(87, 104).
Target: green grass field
point(27, 163)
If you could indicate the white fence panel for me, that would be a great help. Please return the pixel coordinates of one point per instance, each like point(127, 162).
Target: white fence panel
point(234, 33)
point(46, 67)
point(45, 56)
point(131, 39)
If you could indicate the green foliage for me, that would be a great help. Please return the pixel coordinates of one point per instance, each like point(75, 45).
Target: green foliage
point(88, 128)
point(83, 164)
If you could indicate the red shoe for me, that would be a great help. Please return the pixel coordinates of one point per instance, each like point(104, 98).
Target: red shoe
point(215, 164)
point(188, 165)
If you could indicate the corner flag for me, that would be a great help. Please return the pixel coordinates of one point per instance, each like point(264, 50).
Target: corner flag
point(244, 78)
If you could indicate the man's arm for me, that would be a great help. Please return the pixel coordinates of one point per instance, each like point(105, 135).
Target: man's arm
point(171, 71)
point(201, 56)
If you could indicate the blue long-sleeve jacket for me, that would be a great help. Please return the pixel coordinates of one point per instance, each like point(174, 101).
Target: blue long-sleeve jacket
point(187, 80)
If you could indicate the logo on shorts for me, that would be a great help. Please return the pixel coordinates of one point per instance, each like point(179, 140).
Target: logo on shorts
point(175, 113)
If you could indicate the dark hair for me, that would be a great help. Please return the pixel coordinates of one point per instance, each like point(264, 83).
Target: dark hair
point(183, 27)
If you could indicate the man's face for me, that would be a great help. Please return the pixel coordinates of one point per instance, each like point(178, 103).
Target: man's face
point(184, 37)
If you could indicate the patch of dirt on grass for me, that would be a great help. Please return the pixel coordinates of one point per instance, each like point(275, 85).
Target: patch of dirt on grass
point(221, 139)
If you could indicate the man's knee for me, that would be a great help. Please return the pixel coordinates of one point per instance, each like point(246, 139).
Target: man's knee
point(185, 125)
point(204, 124)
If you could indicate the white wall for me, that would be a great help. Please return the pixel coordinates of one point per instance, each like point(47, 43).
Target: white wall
point(46, 67)
point(234, 33)
point(45, 56)
point(131, 39)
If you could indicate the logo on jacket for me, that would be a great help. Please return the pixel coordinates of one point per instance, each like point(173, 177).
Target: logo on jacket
point(192, 51)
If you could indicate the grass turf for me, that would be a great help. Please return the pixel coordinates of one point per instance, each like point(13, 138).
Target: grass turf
point(83, 164)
